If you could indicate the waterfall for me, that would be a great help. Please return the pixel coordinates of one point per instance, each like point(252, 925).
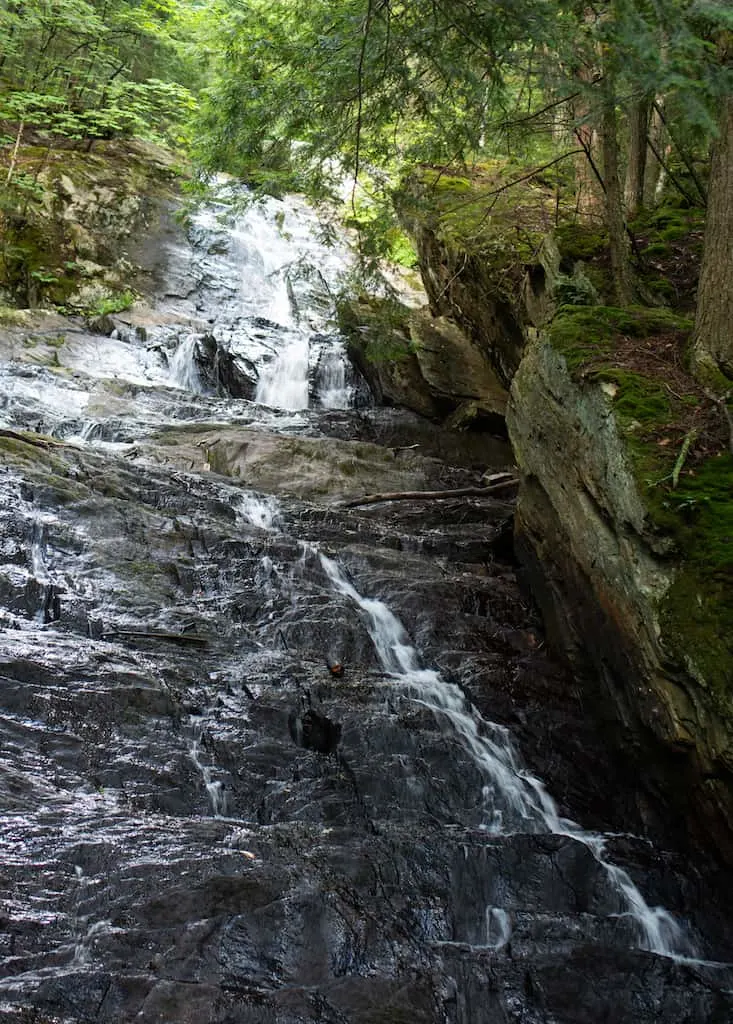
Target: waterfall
point(520, 801)
point(233, 785)
point(284, 383)
point(183, 369)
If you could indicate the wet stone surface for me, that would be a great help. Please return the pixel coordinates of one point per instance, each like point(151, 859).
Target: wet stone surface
point(202, 823)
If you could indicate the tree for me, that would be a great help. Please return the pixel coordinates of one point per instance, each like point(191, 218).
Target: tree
point(82, 68)
point(379, 84)
point(713, 335)
point(72, 71)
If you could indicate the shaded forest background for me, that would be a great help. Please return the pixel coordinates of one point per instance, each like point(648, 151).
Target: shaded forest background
point(623, 110)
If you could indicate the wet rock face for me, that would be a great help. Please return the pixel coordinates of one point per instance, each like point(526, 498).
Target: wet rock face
point(222, 373)
point(347, 876)
point(202, 822)
point(413, 360)
point(600, 572)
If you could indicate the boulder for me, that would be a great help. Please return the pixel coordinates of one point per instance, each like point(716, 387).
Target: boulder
point(424, 363)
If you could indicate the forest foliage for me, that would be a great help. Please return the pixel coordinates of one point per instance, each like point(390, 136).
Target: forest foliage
point(622, 99)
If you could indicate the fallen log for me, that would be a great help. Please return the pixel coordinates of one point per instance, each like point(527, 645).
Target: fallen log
point(27, 437)
point(191, 639)
point(459, 492)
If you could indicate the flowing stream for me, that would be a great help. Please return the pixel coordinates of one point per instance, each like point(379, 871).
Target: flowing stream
point(267, 759)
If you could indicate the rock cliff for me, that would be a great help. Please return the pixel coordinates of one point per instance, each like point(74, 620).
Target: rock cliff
point(74, 237)
point(624, 511)
point(605, 577)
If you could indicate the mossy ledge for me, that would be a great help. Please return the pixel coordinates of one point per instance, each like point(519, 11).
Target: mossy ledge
point(476, 234)
point(71, 240)
point(674, 437)
point(625, 520)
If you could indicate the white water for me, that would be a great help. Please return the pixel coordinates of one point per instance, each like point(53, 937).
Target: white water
point(214, 788)
point(260, 510)
point(516, 801)
point(284, 383)
point(183, 370)
point(334, 390)
point(498, 928)
point(289, 278)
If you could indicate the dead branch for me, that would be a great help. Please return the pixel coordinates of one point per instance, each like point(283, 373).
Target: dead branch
point(38, 440)
point(14, 156)
point(189, 639)
point(689, 438)
point(459, 492)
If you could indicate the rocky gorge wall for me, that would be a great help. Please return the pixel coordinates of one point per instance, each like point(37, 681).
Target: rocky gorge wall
point(625, 544)
point(202, 821)
point(621, 595)
point(74, 222)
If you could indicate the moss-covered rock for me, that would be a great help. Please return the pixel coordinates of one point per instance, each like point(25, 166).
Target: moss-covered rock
point(482, 252)
point(424, 363)
point(586, 335)
point(627, 532)
point(70, 220)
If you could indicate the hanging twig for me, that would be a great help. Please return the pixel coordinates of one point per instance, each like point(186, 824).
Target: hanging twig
point(672, 177)
point(14, 156)
point(589, 157)
point(360, 101)
point(683, 156)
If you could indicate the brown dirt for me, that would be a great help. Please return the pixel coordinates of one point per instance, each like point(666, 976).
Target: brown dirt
point(663, 358)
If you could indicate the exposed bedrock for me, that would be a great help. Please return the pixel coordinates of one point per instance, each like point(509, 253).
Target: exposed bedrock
point(622, 598)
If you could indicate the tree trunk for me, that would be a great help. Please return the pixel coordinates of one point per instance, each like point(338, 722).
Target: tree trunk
point(713, 338)
point(660, 148)
point(618, 240)
point(589, 199)
point(638, 129)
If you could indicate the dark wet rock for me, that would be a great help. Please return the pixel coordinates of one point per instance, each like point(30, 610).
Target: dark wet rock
point(202, 824)
point(223, 372)
point(314, 731)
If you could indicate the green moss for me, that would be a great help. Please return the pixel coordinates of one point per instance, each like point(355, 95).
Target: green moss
point(696, 618)
point(9, 316)
point(639, 401)
point(678, 220)
point(378, 328)
point(443, 182)
point(580, 242)
point(696, 615)
point(494, 211)
point(694, 520)
point(661, 287)
point(699, 513)
point(585, 334)
point(114, 302)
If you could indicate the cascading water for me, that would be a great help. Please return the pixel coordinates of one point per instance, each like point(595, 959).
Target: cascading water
point(230, 791)
point(519, 802)
point(183, 369)
point(286, 291)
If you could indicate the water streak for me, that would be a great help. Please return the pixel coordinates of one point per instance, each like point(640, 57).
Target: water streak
point(183, 369)
point(214, 787)
point(526, 802)
point(283, 384)
point(334, 391)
